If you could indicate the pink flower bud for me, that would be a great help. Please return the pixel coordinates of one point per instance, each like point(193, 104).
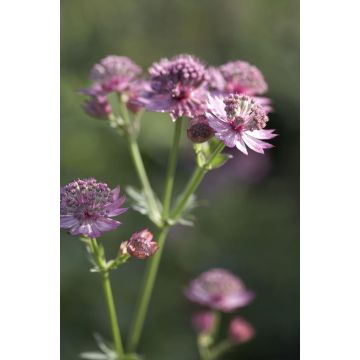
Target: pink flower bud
point(240, 331)
point(141, 245)
point(203, 322)
point(199, 129)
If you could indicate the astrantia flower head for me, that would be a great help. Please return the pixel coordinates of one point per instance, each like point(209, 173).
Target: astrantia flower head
point(177, 86)
point(219, 289)
point(243, 78)
point(240, 331)
point(87, 206)
point(114, 73)
point(140, 245)
point(239, 121)
point(203, 321)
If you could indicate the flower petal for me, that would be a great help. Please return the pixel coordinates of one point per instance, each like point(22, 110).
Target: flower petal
point(68, 221)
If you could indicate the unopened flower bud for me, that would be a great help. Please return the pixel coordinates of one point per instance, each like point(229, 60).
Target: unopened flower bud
point(203, 322)
point(141, 244)
point(240, 331)
point(199, 129)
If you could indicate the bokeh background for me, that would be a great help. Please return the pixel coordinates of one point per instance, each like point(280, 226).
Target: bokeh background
point(249, 222)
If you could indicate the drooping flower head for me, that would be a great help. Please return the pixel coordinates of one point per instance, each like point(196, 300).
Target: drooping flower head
point(219, 289)
point(97, 104)
point(87, 206)
point(114, 73)
point(134, 94)
point(243, 78)
point(177, 86)
point(203, 321)
point(140, 245)
point(239, 121)
point(240, 331)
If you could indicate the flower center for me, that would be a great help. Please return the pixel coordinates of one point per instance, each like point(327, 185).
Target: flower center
point(180, 92)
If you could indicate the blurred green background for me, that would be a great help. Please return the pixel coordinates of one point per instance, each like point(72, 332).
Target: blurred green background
point(250, 221)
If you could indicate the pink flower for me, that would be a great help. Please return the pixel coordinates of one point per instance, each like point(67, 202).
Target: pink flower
point(97, 104)
point(215, 80)
point(88, 206)
point(219, 289)
point(135, 93)
point(239, 121)
point(177, 86)
point(243, 78)
point(240, 331)
point(114, 73)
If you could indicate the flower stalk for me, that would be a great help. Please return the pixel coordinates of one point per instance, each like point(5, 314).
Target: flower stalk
point(99, 259)
point(139, 165)
point(194, 182)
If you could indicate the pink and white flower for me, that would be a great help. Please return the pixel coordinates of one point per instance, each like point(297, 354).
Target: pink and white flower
point(239, 121)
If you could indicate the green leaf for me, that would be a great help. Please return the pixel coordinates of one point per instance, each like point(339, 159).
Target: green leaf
point(187, 218)
point(139, 203)
point(93, 355)
point(219, 161)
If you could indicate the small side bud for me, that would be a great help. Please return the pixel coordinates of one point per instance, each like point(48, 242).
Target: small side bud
point(123, 248)
point(141, 244)
point(240, 331)
point(199, 129)
point(203, 322)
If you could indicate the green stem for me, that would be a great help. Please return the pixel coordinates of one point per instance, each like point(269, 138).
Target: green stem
point(170, 175)
point(147, 287)
point(140, 168)
point(112, 314)
point(193, 183)
point(105, 277)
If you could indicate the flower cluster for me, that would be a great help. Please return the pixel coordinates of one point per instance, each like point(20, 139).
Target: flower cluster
point(220, 290)
point(224, 104)
point(224, 101)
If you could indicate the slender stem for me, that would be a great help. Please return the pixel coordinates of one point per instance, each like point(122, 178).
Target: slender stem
point(147, 287)
point(112, 314)
point(170, 175)
point(105, 277)
point(153, 265)
point(193, 183)
point(139, 166)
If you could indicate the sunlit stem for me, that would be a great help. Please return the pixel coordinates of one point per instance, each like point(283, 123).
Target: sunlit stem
point(193, 183)
point(153, 265)
point(139, 166)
